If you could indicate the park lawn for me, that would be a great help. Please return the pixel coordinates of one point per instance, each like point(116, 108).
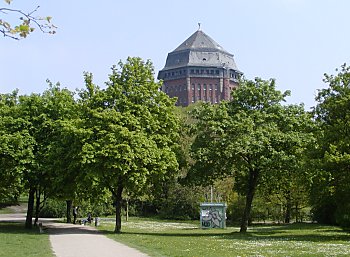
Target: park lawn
point(16, 241)
point(6, 211)
point(159, 238)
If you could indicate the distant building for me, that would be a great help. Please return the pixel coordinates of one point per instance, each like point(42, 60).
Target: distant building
point(199, 70)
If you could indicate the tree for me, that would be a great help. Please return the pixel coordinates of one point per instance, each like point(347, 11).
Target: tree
point(250, 137)
point(333, 115)
point(28, 23)
point(131, 131)
point(42, 114)
point(291, 187)
point(16, 146)
point(61, 156)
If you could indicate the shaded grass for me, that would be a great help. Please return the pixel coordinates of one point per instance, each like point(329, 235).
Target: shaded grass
point(19, 207)
point(16, 241)
point(6, 210)
point(159, 238)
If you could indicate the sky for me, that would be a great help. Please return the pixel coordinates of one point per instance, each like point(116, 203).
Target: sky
point(292, 41)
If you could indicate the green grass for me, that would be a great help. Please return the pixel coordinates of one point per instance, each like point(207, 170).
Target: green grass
point(20, 207)
point(159, 238)
point(5, 211)
point(16, 241)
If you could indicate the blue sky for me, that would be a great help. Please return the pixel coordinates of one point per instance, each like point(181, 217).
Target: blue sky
point(293, 41)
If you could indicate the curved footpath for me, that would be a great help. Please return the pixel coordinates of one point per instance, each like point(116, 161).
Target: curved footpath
point(68, 240)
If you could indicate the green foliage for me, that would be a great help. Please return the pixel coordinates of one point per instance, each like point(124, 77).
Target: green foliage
point(253, 137)
point(333, 115)
point(16, 146)
point(36, 153)
point(27, 23)
point(130, 130)
point(53, 209)
point(181, 203)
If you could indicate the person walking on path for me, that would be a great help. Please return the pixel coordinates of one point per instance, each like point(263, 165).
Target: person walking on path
point(75, 213)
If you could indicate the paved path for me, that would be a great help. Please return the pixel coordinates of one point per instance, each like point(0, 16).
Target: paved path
point(68, 240)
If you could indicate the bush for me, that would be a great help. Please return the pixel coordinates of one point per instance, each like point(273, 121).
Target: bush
point(342, 215)
point(325, 213)
point(235, 209)
point(53, 209)
point(182, 202)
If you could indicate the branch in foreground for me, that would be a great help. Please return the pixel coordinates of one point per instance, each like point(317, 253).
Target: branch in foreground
point(28, 24)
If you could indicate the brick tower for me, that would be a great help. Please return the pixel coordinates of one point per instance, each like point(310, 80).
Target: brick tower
point(199, 70)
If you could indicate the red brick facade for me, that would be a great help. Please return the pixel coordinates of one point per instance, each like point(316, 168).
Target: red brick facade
point(199, 70)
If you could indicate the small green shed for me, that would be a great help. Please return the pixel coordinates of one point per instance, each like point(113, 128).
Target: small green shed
point(213, 215)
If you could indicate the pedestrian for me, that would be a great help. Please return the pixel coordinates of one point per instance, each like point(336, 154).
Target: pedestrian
point(88, 219)
point(75, 213)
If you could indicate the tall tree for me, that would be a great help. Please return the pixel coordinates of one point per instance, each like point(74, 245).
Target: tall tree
point(61, 156)
point(43, 113)
point(248, 137)
point(132, 130)
point(333, 114)
point(16, 146)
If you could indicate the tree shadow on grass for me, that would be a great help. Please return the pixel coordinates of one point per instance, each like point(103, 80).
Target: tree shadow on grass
point(48, 228)
point(16, 228)
point(309, 232)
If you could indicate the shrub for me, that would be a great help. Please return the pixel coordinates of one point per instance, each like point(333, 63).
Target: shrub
point(53, 209)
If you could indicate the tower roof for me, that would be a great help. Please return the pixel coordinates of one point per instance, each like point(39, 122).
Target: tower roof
point(200, 50)
point(199, 41)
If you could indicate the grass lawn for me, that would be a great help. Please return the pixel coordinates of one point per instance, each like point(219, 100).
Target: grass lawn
point(16, 241)
point(6, 211)
point(160, 238)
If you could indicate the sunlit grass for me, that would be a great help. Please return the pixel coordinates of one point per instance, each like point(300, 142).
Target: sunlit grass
point(16, 241)
point(159, 238)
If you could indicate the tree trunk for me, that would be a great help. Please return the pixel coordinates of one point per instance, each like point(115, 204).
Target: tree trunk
point(253, 178)
point(69, 208)
point(288, 209)
point(30, 209)
point(37, 206)
point(118, 207)
point(127, 210)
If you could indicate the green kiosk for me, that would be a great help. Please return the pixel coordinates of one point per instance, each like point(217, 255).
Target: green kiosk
point(213, 215)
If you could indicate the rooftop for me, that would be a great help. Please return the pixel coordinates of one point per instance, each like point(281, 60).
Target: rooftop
point(200, 50)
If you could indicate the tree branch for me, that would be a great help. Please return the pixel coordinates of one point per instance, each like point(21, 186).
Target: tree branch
point(24, 28)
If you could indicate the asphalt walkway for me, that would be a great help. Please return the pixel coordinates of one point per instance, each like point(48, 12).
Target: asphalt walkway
point(68, 240)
